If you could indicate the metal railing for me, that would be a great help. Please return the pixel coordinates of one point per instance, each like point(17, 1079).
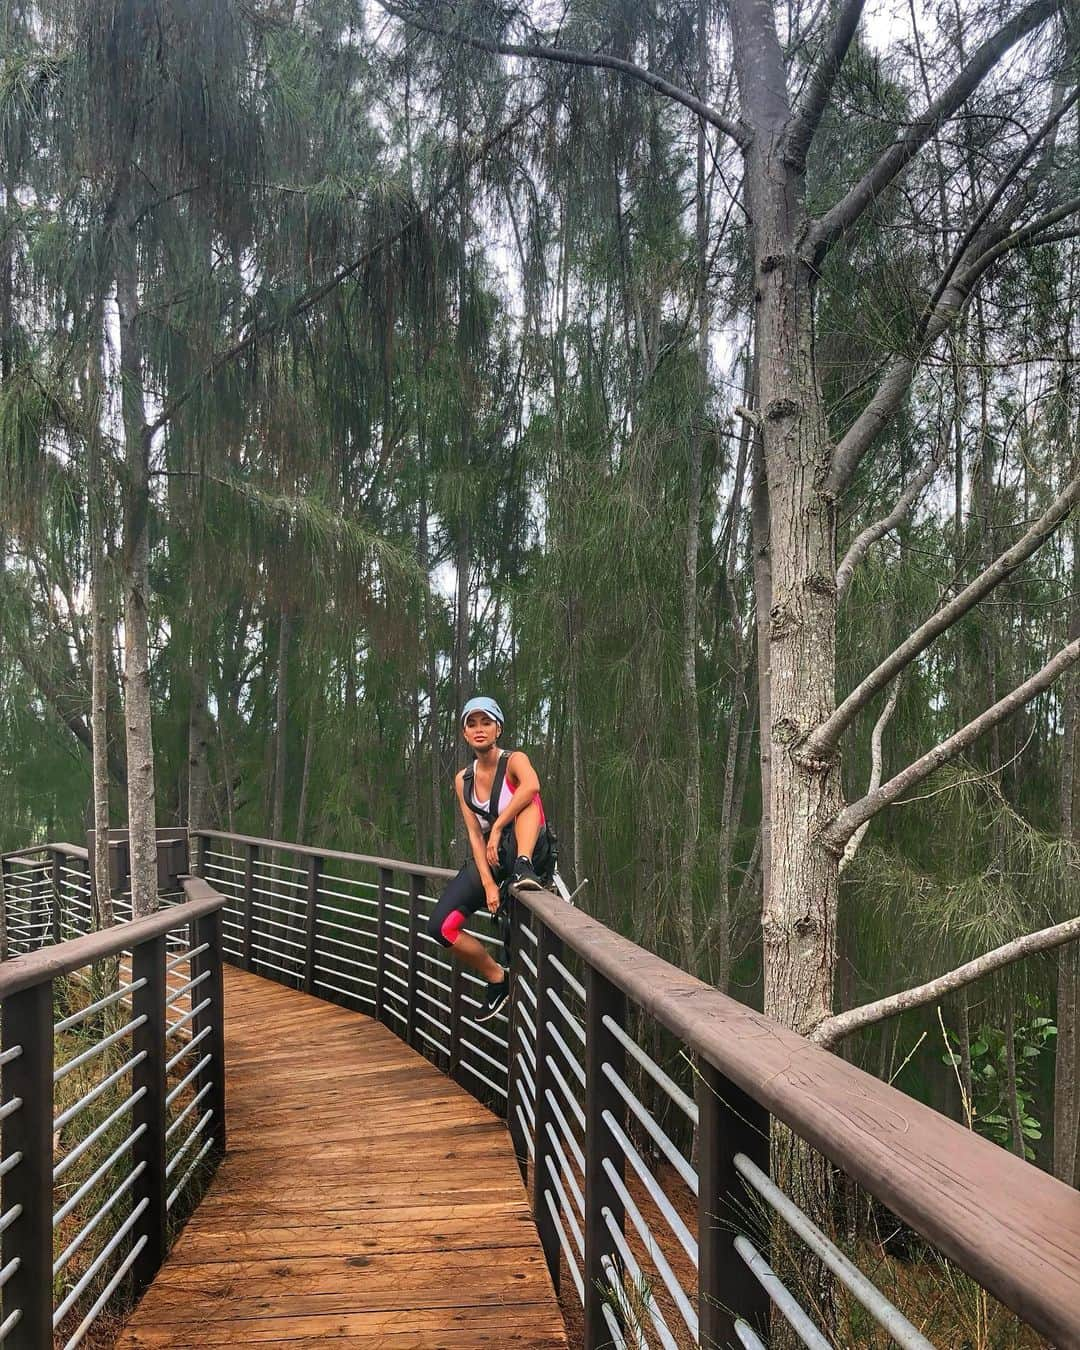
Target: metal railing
point(663, 1245)
point(112, 1076)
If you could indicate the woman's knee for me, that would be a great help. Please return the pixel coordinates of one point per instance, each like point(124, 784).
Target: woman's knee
point(446, 928)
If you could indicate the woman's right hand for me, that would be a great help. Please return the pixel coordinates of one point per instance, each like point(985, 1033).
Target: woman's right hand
point(491, 894)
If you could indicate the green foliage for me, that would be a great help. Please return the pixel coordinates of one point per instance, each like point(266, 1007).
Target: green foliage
point(991, 1108)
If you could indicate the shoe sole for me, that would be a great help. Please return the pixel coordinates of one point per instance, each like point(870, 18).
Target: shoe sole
point(528, 885)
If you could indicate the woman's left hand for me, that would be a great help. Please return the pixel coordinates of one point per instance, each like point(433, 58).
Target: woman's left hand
point(493, 847)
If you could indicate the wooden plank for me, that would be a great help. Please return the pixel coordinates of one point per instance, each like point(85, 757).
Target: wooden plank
point(365, 1201)
point(529, 1326)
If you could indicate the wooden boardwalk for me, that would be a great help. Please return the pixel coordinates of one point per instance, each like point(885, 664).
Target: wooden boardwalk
point(366, 1200)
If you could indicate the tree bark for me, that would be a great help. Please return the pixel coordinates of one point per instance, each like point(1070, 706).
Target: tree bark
point(691, 825)
point(281, 723)
point(138, 723)
point(100, 627)
point(1066, 1160)
point(198, 783)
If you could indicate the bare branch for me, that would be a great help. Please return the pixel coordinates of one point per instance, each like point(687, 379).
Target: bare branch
point(820, 85)
point(837, 221)
point(839, 831)
point(988, 208)
point(897, 379)
point(876, 757)
point(866, 539)
point(835, 1029)
point(824, 740)
point(568, 57)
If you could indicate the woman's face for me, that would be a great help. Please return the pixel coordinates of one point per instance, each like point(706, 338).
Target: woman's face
point(481, 731)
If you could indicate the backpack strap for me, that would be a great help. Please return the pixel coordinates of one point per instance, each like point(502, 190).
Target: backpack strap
point(490, 813)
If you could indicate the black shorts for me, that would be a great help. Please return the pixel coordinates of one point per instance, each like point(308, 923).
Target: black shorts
point(464, 894)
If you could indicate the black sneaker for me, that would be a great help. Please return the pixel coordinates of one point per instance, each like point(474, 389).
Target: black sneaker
point(495, 997)
point(525, 876)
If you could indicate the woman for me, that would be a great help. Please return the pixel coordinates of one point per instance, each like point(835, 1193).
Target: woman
point(499, 796)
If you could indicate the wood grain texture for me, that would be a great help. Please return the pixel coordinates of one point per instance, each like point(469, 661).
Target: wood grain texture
point(365, 1201)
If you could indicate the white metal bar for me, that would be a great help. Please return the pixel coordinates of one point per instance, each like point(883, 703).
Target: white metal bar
point(72, 1111)
point(789, 1309)
point(87, 1277)
point(655, 1072)
point(174, 1194)
point(96, 1049)
point(873, 1300)
point(91, 1181)
point(659, 1321)
point(574, 984)
point(564, 1243)
point(656, 1255)
point(659, 1199)
point(107, 1293)
point(655, 1131)
point(76, 1242)
point(70, 1159)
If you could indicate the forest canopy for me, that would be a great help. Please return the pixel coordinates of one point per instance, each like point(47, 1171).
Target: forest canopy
point(699, 379)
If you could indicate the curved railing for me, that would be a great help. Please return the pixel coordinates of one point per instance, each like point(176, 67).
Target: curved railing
point(112, 1076)
point(619, 1062)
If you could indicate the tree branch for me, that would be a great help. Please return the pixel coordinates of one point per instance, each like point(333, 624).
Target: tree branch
point(820, 85)
point(568, 57)
point(823, 742)
point(315, 294)
point(835, 1029)
point(897, 379)
point(876, 758)
point(836, 834)
point(866, 539)
point(841, 217)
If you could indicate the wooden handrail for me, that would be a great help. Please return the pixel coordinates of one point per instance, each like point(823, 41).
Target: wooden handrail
point(306, 851)
point(21, 972)
point(1012, 1227)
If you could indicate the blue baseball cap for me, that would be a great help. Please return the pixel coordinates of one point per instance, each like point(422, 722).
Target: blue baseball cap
point(484, 705)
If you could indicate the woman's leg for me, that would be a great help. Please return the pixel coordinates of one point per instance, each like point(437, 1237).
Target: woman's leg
point(464, 895)
point(526, 831)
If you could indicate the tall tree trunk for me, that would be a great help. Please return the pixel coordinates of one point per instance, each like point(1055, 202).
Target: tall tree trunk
point(281, 723)
point(100, 627)
point(309, 751)
point(198, 782)
point(1067, 1050)
point(138, 722)
point(691, 825)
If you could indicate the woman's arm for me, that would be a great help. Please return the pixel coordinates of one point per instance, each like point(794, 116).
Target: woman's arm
point(477, 845)
point(518, 767)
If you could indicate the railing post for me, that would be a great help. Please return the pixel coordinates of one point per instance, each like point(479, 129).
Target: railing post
point(729, 1122)
point(57, 878)
point(514, 1094)
point(314, 873)
point(252, 852)
point(198, 856)
point(148, 963)
point(414, 959)
point(547, 977)
point(602, 1000)
point(457, 990)
point(380, 946)
point(209, 930)
point(28, 1023)
point(4, 870)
